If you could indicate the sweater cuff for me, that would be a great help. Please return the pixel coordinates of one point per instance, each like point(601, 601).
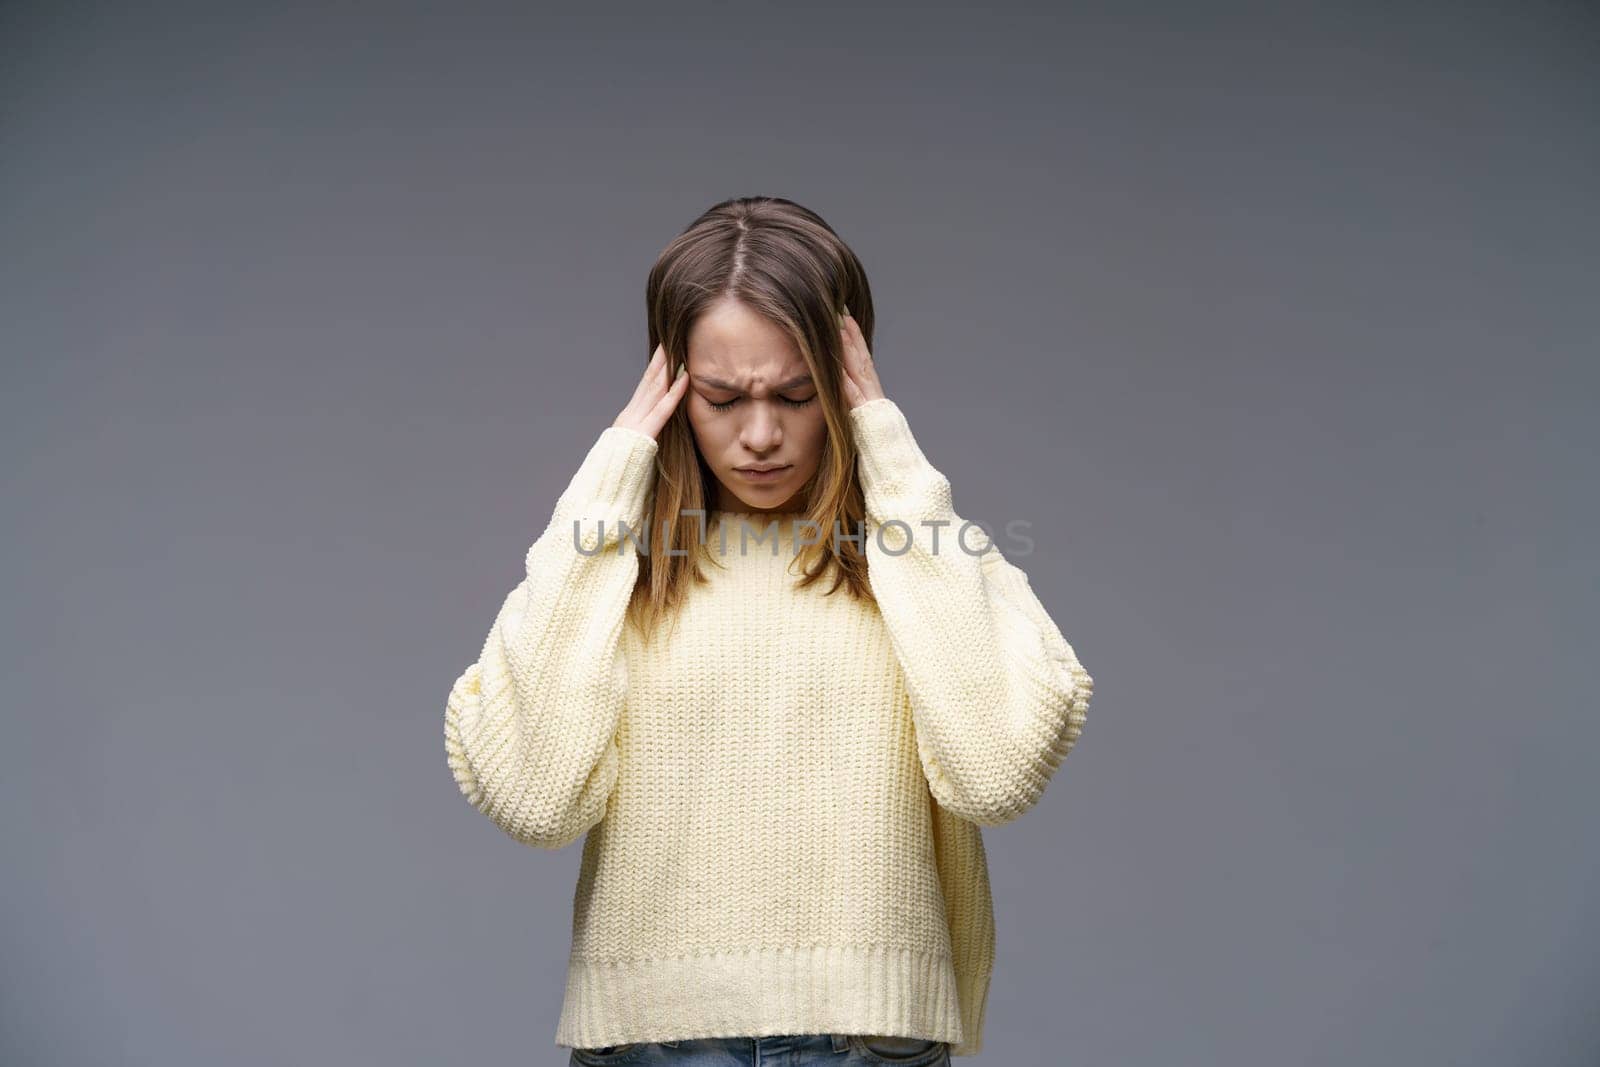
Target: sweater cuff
point(897, 480)
point(612, 484)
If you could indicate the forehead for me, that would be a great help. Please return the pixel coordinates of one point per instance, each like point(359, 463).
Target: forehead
point(732, 342)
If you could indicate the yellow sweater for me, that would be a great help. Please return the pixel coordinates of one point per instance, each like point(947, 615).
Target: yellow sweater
point(782, 799)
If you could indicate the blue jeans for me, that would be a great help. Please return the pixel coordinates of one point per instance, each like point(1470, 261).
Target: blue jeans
point(788, 1050)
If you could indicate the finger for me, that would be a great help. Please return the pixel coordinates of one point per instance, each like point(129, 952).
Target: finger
point(671, 374)
point(853, 394)
point(661, 389)
point(641, 390)
point(660, 382)
point(860, 361)
point(859, 339)
point(663, 408)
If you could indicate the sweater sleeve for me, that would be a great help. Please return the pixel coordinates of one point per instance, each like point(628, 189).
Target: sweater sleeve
point(997, 695)
point(529, 728)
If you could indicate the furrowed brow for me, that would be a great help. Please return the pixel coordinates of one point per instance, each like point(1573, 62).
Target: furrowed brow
point(717, 383)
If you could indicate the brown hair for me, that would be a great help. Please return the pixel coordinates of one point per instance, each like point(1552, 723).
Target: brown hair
point(785, 263)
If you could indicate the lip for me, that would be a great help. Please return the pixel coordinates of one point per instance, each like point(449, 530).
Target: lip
point(756, 474)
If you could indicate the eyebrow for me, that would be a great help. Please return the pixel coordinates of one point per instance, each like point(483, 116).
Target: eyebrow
point(717, 383)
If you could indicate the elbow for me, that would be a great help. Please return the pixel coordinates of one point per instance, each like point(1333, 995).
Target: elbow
point(539, 820)
point(1007, 785)
point(989, 788)
point(548, 835)
point(1059, 721)
point(504, 795)
point(463, 695)
point(539, 826)
point(990, 801)
point(461, 769)
point(515, 810)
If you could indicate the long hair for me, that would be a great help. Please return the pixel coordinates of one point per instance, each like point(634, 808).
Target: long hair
point(785, 263)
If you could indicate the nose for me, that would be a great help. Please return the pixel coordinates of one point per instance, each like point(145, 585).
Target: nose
point(761, 432)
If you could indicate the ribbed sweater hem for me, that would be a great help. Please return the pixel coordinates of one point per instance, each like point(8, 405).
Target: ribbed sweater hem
point(818, 989)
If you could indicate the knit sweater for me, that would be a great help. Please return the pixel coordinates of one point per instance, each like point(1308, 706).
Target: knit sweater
point(783, 798)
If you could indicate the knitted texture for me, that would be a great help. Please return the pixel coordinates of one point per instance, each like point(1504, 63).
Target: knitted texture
point(782, 798)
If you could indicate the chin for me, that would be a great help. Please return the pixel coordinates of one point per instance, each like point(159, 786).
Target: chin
point(760, 498)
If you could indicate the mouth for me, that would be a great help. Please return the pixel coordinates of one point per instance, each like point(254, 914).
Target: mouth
point(763, 474)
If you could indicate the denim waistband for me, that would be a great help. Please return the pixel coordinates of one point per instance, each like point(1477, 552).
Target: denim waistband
point(841, 1042)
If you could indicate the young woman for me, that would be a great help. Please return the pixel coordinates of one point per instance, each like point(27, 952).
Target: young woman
point(773, 680)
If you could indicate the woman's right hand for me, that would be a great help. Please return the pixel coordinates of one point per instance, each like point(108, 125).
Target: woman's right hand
point(655, 398)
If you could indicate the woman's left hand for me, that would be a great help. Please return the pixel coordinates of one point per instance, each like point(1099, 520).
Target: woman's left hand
point(860, 379)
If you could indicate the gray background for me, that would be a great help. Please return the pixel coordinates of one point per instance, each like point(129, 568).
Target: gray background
point(1277, 322)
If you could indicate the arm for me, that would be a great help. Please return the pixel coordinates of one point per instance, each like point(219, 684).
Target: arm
point(998, 696)
point(529, 727)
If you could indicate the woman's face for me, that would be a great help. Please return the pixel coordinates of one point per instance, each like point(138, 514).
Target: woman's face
point(752, 404)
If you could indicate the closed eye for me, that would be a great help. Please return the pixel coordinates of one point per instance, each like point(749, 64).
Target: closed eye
point(726, 404)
